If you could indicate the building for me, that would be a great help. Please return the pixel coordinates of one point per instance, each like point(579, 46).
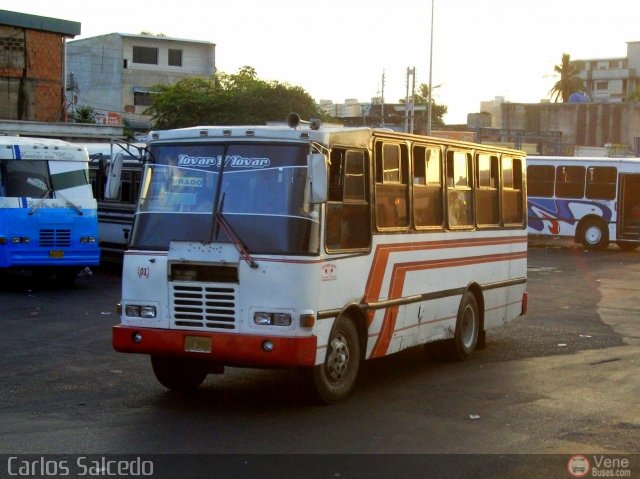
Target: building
point(395, 116)
point(115, 73)
point(611, 79)
point(32, 50)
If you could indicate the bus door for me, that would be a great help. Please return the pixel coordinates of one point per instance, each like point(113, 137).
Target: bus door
point(629, 207)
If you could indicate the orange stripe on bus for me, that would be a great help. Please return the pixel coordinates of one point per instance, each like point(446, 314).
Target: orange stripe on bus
point(381, 258)
point(396, 286)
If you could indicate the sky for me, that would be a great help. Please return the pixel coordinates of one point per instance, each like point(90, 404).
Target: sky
point(341, 49)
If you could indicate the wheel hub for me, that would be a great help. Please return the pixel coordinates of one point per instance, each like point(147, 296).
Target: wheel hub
point(338, 358)
point(593, 235)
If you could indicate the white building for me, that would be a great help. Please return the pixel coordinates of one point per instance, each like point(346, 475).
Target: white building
point(611, 79)
point(114, 73)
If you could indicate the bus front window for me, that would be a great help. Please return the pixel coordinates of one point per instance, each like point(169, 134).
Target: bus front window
point(26, 178)
point(262, 197)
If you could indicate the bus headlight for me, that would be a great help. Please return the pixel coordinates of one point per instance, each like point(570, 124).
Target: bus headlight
point(140, 311)
point(87, 239)
point(20, 239)
point(272, 319)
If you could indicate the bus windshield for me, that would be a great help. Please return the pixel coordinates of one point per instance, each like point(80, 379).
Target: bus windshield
point(262, 197)
point(24, 178)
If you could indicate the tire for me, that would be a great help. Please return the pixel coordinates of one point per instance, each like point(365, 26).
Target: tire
point(336, 377)
point(179, 374)
point(467, 336)
point(594, 235)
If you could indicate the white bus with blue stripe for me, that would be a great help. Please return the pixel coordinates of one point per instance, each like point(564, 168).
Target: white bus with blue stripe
point(48, 214)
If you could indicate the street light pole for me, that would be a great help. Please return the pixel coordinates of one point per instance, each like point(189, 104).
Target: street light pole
point(430, 74)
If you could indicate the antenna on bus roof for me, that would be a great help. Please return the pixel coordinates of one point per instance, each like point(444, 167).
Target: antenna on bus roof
point(293, 120)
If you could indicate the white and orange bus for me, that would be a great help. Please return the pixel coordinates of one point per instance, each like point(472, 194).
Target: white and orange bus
point(318, 247)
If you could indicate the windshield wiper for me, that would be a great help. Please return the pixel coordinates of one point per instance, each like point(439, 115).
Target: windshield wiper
point(70, 203)
point(66, 200)
point(40, 201)
point(233, 236)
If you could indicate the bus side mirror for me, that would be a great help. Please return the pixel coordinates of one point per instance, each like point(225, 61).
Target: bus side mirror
point(112, 187)
point(317, 178)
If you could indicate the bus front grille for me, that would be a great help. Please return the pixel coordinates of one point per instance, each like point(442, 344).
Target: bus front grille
point(50, 238)
point(195, 305)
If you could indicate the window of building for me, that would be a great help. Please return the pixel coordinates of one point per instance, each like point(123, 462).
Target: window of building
point(146, 55)
point(175, 58)
point(427, 186)
point(142, 98)
point(602, 85)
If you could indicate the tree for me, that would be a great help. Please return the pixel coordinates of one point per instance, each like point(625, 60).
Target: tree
point(634, 95)
point(569, 81)
point(421, 97)
point(83, 114)
point(228, 99)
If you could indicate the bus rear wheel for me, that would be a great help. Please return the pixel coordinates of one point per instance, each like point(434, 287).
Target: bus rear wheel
point(466, 336)
point(179, 374)
point(335, 378)
point(594, 235)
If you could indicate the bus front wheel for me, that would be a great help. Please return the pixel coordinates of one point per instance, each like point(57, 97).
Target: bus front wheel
point(179, 374)
point(594, 235)
point(335, 378)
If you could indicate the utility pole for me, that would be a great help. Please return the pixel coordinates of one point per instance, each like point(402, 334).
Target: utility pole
point(409, 104)
point(382, 102)
point(430, 74)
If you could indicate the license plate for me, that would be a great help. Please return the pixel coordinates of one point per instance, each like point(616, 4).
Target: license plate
point(55, 253)
point(197, 344)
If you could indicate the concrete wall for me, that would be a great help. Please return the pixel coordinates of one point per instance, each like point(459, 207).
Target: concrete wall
point(107, 75)
point(584, 124)
point(96, 64)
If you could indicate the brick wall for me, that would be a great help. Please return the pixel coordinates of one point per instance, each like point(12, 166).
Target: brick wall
point(31, 74)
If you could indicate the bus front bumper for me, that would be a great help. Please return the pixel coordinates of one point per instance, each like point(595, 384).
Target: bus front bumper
point(220, 348)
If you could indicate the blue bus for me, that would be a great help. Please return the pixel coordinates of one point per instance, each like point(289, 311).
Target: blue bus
point(48, 214)
point(592, 201)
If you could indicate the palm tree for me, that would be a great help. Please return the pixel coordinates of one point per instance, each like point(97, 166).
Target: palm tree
point(84, 114)
point(569, 81)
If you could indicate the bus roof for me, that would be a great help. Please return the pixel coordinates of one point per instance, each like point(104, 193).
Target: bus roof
point(354, 136)
point(582, 160)
point(28, 148)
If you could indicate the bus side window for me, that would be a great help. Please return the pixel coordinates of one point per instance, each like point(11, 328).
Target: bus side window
point(459, 198)
point(348, 218)
point(392, 188)
point(601, 182)
point(487, 176)
point(427, 187)
point(512, 191)
point(570, 181)
point(540, 180)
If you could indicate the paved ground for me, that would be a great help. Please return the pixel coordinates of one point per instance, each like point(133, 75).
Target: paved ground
point(562, 380)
